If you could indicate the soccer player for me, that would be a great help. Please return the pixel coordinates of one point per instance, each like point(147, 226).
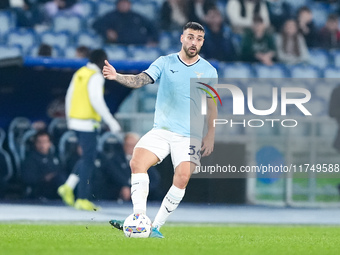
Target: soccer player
point(171, 132)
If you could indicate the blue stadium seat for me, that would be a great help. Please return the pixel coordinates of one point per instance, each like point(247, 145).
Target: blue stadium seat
point(304, 71)
point(319, 58)
point(67, 146)
point(147, 9)
point(165, 40)
point(59, 39)
point(68, 23)
point(147, 103)
point(331, 72)
point(275, 71)
point(318, 106)
point(70, 52)
point(7, 23)
point(324, 90)
point(16, 130)
point(296, 4)
point(236, 70)
point(104, 7)
point(23, 37)
point(116, 52)
point(335, 54)
point(140, 53)
point(10, 51)
point(6, 166)
point(320, 12)
point(90, 40)
point(89, 8)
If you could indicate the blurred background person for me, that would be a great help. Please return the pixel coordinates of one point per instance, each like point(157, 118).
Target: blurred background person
point(69, 7)
point(82, 52)
point(241, 13)
point(306, 26)
point(279, 12)
point(45, 50)
point(258, 44)
point(124, 26)
point(41, 170)
point(218, 44)
point(329, 35)
point(85, 108)
point(174, 14)
point(291, 46)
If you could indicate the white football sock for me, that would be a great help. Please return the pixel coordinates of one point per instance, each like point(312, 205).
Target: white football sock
point(72, 181)
point(139, 191)
point(169, 204)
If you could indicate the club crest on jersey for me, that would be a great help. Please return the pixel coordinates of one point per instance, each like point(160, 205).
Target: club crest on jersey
point(198, 74)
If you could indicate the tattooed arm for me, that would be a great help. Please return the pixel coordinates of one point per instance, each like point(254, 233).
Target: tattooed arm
point(130, 81)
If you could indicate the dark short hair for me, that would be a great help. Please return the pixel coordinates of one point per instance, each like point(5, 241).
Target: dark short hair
point(257, 19)
point(41, 133)
point(304, 9)
point(332, 17)
point(97, 57)
point(194, 26)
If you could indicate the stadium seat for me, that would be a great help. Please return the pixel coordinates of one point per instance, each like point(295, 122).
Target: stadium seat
point(147, 103)
point(16, 130)
point(319, 58)
point(68, 23)
point(56, 128)
point(22, 37)
point(67, 146)
point(237, 70)
point(331, 72)
point(296, 4)
point(7, 23)
point(27, 143)
point(147, 9)
point(275, 71)
point(320, 12)
point(59, 39)
point(318, 106)
point(336, 57)
point(116, 52)
point(304, 71)
point(10, 51)
point(141, 53)
point(104, 7)
point(90, 40)
point(165, 40)
point(324, 90)
point(6, 167)
point(110, 144)
point(89, 8)
point(70, 52)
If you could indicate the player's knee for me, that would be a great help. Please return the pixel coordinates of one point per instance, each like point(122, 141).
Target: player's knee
point(181, 179)
point(136, 166)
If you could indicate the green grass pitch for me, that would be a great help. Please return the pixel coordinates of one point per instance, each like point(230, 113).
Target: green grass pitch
point(62, 239)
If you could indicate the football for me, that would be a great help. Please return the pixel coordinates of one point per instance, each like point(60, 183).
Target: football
point(137, 226)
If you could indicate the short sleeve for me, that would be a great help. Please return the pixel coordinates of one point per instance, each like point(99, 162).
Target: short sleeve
point(155, 69)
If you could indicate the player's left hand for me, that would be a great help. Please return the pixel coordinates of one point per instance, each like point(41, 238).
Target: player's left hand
point(207, 145)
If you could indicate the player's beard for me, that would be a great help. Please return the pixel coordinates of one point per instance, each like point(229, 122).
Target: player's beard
point(189, 54)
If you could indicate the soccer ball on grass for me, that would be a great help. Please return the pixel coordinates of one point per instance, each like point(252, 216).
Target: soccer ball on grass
point(137, 226)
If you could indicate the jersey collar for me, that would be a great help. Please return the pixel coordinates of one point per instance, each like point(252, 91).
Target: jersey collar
point(179, 58)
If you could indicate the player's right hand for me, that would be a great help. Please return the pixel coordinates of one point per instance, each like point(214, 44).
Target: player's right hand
point(109, 71)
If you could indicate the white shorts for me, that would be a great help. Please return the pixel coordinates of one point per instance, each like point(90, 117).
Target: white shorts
point(162, 142)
